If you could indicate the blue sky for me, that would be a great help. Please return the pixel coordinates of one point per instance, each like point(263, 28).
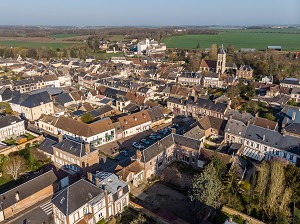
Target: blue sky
point(150, 13)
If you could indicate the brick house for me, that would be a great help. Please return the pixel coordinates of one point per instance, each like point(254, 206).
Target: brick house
point(27, 194)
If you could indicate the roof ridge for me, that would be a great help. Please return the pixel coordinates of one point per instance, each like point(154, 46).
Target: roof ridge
point(28, 181)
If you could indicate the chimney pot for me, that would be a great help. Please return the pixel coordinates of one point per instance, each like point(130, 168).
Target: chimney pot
point(173, 130)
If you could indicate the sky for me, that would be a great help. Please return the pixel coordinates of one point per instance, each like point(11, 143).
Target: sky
point(149, 13)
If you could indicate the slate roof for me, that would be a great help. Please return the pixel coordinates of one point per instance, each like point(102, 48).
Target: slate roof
point(27, 189)
point(210, 105)
point(63, 98)
point(206, 155)
point(31, 101)
point(273, 139)
point(46, 145)
point(100, 111)
point(76, 195)
point(6, 93)
point(292, 81)
point(212, 122)
point(72, 147)
point(195, 133)
point(208, 63)
point(236, 127)
point(293, 128)
point(168, 141)
point(155, 114)
point(8, 120)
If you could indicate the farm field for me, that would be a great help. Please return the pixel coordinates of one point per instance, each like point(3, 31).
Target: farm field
point(64, 35)
point(29, 44)
point(259, 39)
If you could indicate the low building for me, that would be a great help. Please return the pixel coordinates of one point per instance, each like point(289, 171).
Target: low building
point(21, 197)
point(11, 126)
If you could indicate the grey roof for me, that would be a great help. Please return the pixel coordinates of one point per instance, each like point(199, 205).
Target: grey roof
point(288, 118)
point(72, 147)
point(155, 114)
point(273, 139)
point(293, 128)
point(195, 133)
point(46, 145)
point(100, 111)
point(168, 141)
point(236, 127)
point(221, 50)
point(77, 195)
point(31, 100)
point(8, 120)
point(6, 93)
point(27, 189)
point(51, 90)
point(210, 105)
point(235, 114)
point(63, 98)
point(292, 81)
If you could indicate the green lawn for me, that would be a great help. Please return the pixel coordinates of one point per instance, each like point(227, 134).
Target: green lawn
point(101, 56)
point(64, 35)
point(9, 141)
point(296, 215)
point(260, 39)
point(28, 44)
point(29, 136)
point(113, 38)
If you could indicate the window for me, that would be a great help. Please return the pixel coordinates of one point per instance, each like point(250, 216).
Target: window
point(85, 210)
point(76, 216)
point(291, 157)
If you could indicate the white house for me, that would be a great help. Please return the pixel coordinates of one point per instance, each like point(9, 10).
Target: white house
point(11, 126)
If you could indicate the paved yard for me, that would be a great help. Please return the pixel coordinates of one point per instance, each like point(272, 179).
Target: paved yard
point(159, 196)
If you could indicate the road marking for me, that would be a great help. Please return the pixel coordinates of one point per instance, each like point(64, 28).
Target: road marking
point(47, 207)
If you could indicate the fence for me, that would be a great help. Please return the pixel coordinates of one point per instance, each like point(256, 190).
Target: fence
point(6, 150)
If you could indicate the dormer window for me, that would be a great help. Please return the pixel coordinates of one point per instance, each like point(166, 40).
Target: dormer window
point(135, 118)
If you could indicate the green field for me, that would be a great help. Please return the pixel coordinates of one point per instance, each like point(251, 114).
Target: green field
point(260, 39)
point(64, 35)
point(28, 44)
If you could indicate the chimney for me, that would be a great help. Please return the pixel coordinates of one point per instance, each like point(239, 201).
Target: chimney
point(294, 116)
point(60, 137)
point(97, 181)
point(90, 177)
point(173, 130)
point(87, 147)
point(138, 155)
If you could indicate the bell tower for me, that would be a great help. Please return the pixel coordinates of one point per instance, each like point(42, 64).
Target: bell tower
point(221, 61)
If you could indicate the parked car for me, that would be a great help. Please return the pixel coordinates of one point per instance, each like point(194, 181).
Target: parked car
point(137, 145)
point(152, 137)
point(158, 137)
point(124, 152)
point(175, 125)
point(145, 141)
point(163, 131)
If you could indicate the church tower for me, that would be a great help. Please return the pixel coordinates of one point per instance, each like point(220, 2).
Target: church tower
point(221, 61)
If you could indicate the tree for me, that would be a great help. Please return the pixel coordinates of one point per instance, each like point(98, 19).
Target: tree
point(269, 116)
point(207, 187)
point(140, 219)
point(86, 118)
point(230, 49)
point(292, 177)
point(218, 164)
point(213, 53)
point(31, 53)
point(15, 166)
point(233, 92)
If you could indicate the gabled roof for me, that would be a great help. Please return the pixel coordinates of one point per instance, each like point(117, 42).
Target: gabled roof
point(155, 114)
point(27, 189)
point(210, 105)
point(76, 195)
point(133, 120)
point(82, 129)
point(9, 120)
point(208, 64)
point(72, 147)
point(212, 122)
point(265, 123)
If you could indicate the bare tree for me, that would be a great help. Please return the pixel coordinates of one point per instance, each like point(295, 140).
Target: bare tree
point(15, 166)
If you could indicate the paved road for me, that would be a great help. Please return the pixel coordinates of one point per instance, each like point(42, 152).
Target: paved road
point(41, 214)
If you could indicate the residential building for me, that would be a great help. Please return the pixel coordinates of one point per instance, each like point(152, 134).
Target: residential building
point(245, 72)
point(11, 126)
point(290, 82)
point(135, 123)
point(32, 106)
point(81, 202)
point(75, 157)
point(235, 131)
point(23, 196)
point(96, 133)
